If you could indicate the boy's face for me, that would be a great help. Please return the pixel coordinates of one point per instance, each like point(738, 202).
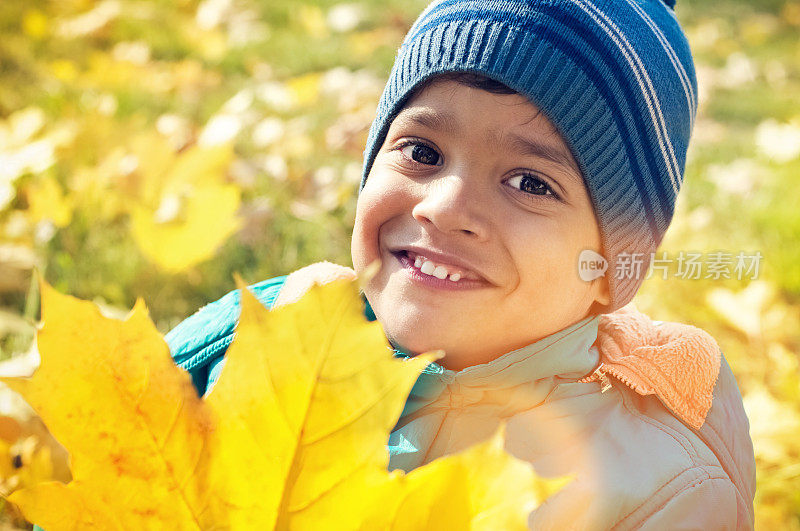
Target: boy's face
point(482, 185)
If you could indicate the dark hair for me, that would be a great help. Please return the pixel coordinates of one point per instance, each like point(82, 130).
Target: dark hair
point(470, 79)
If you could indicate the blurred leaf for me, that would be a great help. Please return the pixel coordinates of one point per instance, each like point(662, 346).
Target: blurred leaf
point(64, 70)
point(305, 89)
point(35, 24)
point(199, 166)
point(206, 218)
point(773, 426)
point(780, 142)
point(47, 201)
point(744, 309)
point(313, 21)
point(364, 43)
point(162, 171)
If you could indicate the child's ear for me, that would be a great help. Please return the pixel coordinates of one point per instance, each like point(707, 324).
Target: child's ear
point(602, 297)
point(602, 294)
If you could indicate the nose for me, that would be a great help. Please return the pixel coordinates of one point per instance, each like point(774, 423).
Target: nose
point(453, 204)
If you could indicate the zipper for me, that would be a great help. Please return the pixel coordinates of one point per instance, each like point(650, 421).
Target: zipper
point(624, 379)
point(598, 375)
point(602, 373)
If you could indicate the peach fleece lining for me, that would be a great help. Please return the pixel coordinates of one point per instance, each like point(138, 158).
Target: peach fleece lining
point(678, 363)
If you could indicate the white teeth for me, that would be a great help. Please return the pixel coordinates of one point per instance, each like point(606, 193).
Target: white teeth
point(429, 268)
point(440, 272)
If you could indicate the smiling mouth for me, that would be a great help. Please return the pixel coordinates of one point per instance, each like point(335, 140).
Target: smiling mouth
point(438, 269)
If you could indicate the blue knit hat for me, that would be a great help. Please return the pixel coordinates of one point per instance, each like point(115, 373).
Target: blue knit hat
point(615, 77)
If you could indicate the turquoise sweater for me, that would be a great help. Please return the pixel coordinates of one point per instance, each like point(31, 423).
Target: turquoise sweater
point(199, 343)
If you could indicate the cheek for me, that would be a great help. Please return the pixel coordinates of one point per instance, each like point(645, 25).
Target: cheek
point(546, 255)
point(378, 203)
point(363, 248)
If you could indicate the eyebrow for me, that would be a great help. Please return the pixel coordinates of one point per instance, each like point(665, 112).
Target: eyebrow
point(448, 123)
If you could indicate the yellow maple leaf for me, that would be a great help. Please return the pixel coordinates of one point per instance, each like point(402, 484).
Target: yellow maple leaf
point(293, 435)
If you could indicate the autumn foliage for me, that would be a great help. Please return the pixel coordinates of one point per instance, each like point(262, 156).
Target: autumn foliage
point(293, 434)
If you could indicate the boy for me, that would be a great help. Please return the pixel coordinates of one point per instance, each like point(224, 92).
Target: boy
point(512, 137)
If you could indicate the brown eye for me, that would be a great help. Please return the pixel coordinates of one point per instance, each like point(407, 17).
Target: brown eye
point(420, 153)
point(530, 184)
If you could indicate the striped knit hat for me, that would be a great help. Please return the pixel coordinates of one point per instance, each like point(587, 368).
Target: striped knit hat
point(615, 77)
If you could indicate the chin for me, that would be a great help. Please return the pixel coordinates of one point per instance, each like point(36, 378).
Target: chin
point(415, 339)
point(415, 329)
point(410, 343)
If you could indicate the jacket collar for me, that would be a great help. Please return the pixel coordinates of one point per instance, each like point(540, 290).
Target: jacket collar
point(517, 380)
